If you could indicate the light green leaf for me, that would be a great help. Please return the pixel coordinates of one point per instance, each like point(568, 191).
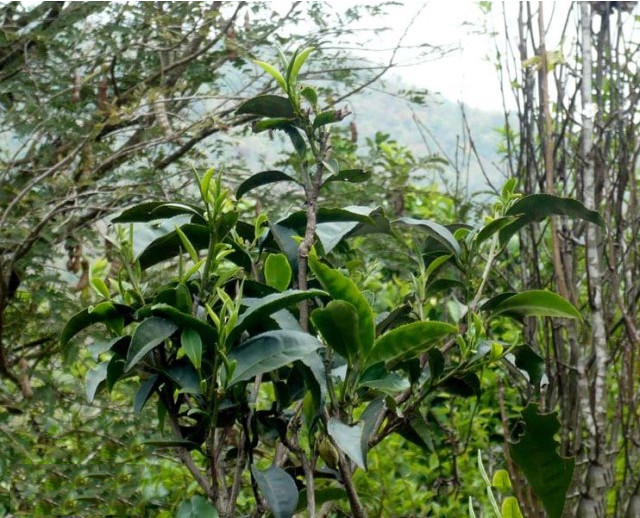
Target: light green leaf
point(408, 341)
point(296, 65)
point(273, 72)
point(192, 345)
point(510, 508)
point(501, 480)
point(187, 244)
point(149, 334)
point(262, 178)
point(277, 271)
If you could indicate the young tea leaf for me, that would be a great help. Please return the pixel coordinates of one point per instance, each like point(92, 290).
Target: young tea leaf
point(277, 271)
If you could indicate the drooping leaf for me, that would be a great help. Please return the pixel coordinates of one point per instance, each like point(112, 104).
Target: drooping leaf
point(148, 335)
point(349, 175)
point(408, 341)
point(338, 324)
point(144, 393)
point(341, 287)
point(277, 271)
point(269, 351)
point(95, 377)
point(310, 95)
point(296, 139)
point(279, 489)
point(535, 453)
point(172, 443)
point(369, 419)
point(115, 369)
point(262, 178)
point(268, 106)
point(102, 312)
point(348, 439)
point(417, 432)
point(539, 303)
point(154, 210)
point(527, 360)
point(192, 345)
point(207, 333)
point(465, 385)
point(536, 207)
point(435, 230)
point(197, 507)
point(492, 227)
point(262, 308)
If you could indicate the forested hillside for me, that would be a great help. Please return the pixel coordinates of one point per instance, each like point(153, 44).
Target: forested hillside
point(244, 272)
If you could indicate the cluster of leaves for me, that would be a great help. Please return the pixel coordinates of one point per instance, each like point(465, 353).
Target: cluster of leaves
point(286, 378)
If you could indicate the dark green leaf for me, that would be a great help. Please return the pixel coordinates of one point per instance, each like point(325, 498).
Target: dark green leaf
point(153, 210)
point(115, 369)
point(339, 326)
point(328, 117)
point(262, 308)
point(492, 227)
point(296, 139)
point(348, 439)
point(444, 284)
point(192, 345)
point(341, 287)
point(172, 443)
point(262, 178)
point(95, 377)
point(435, 230)
point(539, 303)
point(465, 385)
point(102, 312)
point(149, 334)
point(170, 245)
point(536, 207)
point(197, 507)
point(530, 362)
point(207, 333)
point(144, 393)
point(185, 376)
point(369, 419)
point(535, 453)
point(349, 175)
point(408, 341)
point(279, 489)
point(310, 95)
point(269, 351)
point(268, 106)
point(277, 271)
